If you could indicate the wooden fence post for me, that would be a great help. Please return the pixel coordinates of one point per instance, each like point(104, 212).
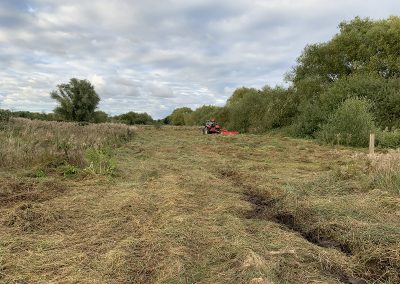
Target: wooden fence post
point(371, 143)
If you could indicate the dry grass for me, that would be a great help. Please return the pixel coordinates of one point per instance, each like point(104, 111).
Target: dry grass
point(31, 143)
point(188, 208)
point(385, 170)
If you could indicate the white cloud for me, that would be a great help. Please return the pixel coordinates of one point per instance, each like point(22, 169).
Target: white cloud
point(153, 55)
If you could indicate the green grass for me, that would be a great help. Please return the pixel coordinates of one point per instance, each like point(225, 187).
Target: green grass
point(189, 208)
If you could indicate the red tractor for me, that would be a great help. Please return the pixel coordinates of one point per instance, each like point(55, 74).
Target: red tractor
point(211, 127)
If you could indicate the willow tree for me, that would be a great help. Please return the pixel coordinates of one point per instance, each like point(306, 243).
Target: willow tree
point(77, 100)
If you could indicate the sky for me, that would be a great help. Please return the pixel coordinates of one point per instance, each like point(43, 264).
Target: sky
point(154, 56)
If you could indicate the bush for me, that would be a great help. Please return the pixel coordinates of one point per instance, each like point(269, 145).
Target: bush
point(178, 116)
point(202, 114)
point(388, 139)
point(281, 107)
point(100, 117)
point(100, 161)
point(381, 92)
point(350, 124)
point(252, 110)
point(4, 115)
point(308, 121)
point(246, 114)
point(132, 118)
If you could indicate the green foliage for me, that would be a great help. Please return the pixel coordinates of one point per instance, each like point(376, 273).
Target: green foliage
point(202, 114)
point(4, 115)
point(132, 118)
point(166, 120)
point(246, 111)
point(362, 46)
point(382, 93)
point(388, 139)
point(177, 117)
point(251, 110)
point(77, 100)
point(280, 108)
point(360, 61)
point(309, 119)
point(100, 117)
point(69, 170)
point(36, 115)
point(238, 95)
point(350, 124)
point(40, 173)
point(100, 162)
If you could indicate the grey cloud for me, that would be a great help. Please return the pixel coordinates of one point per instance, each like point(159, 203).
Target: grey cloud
point(153, 55)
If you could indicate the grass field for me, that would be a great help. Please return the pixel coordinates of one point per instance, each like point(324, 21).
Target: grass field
point(181, 207)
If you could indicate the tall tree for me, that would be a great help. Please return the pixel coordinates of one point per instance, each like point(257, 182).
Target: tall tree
point(178, 115)
point(363, 46)
point(77, 100)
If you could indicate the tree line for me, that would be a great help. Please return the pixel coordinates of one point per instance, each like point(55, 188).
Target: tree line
point(78, 101)
point(338, 91)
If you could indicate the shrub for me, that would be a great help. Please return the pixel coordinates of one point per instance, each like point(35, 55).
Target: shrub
point(4, 115)
point(178, 116)
point(280, 108)
point(388, 139)
point(202, 114)
point(69, 170)
point(246, 113)
point(308, 121)
point(252, 110)
point(100, 117)
point(381, 92)
point(350, 124)
point(132, 118)
point(100, 161)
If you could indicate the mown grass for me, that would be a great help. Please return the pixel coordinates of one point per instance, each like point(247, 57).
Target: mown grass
point(188, 208)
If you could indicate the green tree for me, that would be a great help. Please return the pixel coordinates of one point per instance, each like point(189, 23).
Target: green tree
point(134, 118)
point(100, 117)
point(361, 46)
point(4, 115)
point(177, 117)
point(384, 94)
point(239, 94)
point(360, 61)
point(77, 100)
point(202, 114)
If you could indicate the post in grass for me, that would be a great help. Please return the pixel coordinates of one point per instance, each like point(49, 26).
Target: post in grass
point(371, 143)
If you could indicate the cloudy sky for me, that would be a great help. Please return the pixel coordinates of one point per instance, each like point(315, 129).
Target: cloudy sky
point(153, 56)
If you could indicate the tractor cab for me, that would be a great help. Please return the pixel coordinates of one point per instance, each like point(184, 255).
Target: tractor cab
point(211, 127)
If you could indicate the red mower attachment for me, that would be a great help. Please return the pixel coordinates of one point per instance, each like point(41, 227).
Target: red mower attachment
point(212, 127)
point(226, 132)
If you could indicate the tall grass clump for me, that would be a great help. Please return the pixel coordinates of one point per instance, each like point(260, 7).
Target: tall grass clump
point(385, 170)
point(29, 143)
point(350, 124)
